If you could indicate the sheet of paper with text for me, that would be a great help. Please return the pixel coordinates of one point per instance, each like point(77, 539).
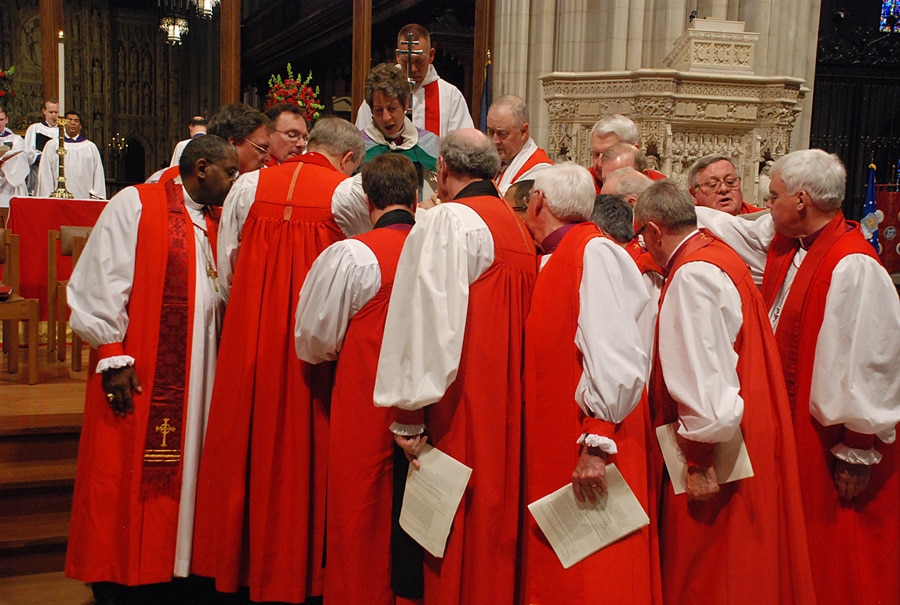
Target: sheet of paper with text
point(732, 459)
point(577, 530)
point(433, 493)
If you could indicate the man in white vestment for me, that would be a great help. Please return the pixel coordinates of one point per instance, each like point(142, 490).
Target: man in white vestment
point(438, 106)
point(37, 136)
point(85, 178)
point(508, 129)
point(13, 163)
point(196, 128)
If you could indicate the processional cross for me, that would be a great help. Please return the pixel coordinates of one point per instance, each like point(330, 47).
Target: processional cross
point(410, 53)
point(61, 191)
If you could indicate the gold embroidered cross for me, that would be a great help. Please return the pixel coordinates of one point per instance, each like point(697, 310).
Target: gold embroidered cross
point(165, 428)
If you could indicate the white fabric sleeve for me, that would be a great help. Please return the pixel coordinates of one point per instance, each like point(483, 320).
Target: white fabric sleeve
point(48, 169)
point(234, 214)
point(98, 186)
point(855, 380)
point(446, 251)
point(699, 322)
point(101, 282)
point(363, 116)
point(653, 282)
point(455, 103)
point(750, 239)
point(349, 207)
point(343, 278)
point(612, 298)
point(16, 168)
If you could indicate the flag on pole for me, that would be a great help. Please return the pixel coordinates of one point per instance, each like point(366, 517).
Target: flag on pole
point(869, 222)
point(485, 95)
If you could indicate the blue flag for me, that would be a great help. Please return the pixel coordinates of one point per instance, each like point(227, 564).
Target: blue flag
point(485, 96)
point(869, 222)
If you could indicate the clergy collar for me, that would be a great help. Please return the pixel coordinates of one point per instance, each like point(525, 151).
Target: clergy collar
point(77, 139)
point(395, 217)
point(48, 125)
point(807, 242)
point(478, 188)
point(679, 247)
point(199, 134)
point(6, 132)
point(550, 243)
point(407, 139)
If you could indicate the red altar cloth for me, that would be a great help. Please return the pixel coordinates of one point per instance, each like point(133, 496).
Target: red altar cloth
point(887, 199)
point(32, 218)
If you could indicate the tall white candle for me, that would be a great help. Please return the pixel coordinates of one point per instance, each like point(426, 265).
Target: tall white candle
point(62, 74)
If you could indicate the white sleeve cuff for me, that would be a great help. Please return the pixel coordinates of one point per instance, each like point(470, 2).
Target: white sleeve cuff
point(606, 445)
point(407, 430)
point(856, 456)
point(116, 361)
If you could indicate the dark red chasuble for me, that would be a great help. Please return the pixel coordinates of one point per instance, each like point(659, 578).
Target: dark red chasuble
point(124, 525)
point(627, 571)
point(748, 543)
point(261, 490)
point(359, 502)
point(852, 547)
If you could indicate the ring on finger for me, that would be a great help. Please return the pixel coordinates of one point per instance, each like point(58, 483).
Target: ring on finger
point(110, 397)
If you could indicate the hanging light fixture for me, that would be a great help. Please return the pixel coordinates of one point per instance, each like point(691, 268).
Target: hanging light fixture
point(173, 21)
point(205, 8)
point(175, 27)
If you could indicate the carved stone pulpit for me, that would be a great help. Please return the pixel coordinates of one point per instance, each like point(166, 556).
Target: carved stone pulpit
point(707, 100)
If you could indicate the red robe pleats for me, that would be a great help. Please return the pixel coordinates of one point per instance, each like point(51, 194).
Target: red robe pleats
point(261, 494)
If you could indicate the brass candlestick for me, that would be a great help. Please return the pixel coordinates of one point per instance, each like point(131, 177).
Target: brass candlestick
point(61, 191)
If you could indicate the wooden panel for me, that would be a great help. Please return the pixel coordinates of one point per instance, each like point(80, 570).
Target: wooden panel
point(362, 49)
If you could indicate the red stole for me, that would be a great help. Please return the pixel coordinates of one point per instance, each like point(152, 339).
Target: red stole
point(763, 513)
point(433, 108)
point(801, 316)
point(538, 157)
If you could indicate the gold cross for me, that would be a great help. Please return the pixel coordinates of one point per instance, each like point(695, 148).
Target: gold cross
point(165, 428)
point(213, 274)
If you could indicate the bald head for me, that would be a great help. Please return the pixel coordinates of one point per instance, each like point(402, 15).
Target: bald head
point(627, 182)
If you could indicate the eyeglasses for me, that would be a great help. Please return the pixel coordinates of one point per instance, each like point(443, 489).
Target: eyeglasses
point(293, 135)
point(641, 230)
point(259, 148)
point(731, 182)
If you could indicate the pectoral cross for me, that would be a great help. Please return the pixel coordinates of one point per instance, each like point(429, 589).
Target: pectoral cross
point(213, 274)
point(165, 428)
point(410, 53)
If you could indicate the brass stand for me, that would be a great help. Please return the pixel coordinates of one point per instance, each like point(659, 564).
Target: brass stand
point(61, 191)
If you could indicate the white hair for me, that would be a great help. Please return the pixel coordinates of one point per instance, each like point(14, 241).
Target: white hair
point(619, 125)
point(820, 174)
point(568, 190)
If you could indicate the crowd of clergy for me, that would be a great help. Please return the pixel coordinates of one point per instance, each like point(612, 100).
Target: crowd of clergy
point(664, 394)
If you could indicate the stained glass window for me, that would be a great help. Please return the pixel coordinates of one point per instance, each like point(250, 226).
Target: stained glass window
point(890, 16)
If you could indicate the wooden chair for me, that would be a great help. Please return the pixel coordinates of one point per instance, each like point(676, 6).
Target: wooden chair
point(71, 243)
point(16, 309)
point(4, 217)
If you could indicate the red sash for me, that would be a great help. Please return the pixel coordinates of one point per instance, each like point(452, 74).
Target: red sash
point(433, 108)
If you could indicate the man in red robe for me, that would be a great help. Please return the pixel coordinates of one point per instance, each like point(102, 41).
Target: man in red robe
point(716, 374)
point(836, 318)
point(585, 371)
point(452, 356)
point(713, 182)
point(340, 316)
point(143, 295)
point(508, 128)
point(261, 501)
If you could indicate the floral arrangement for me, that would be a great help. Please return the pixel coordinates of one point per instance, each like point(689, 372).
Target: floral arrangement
point(7, 93)
point(292, 90)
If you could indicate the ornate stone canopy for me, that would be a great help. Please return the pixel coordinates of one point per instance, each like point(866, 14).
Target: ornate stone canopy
point(708, 102)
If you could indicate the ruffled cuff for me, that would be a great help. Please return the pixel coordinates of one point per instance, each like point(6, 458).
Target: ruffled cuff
point(112, 363)
point(407, 430)
point(605, 444)
point(853, 455)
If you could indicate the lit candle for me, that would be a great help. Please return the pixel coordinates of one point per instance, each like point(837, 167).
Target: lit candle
point(62, 74)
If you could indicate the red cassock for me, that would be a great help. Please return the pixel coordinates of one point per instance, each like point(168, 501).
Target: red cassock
point(360, 463)
point(478, 421)
point(261, 494)
point(626, 571)
point(116, 534)
point(748, 543)
point(854, 548)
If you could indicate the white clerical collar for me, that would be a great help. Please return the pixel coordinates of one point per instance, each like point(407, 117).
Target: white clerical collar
point(679, 246)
